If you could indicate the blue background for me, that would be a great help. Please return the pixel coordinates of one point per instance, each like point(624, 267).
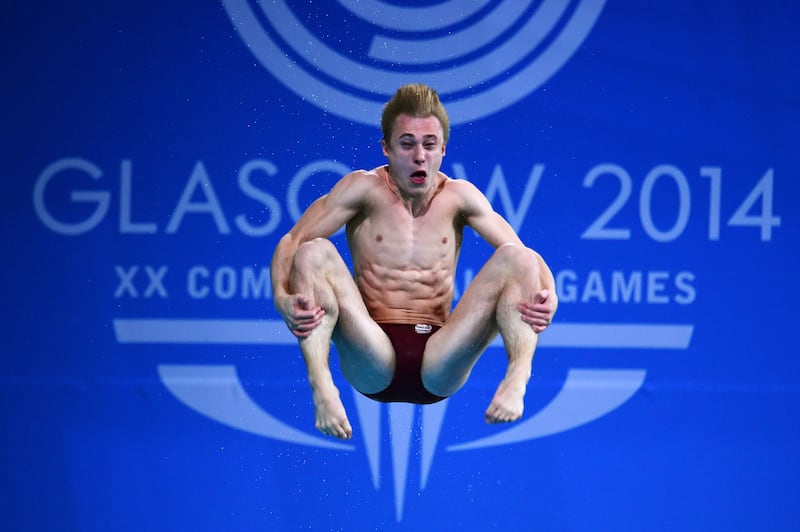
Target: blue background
point(92, 439)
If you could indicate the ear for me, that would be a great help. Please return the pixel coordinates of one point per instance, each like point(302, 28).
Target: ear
point(444, 150)
point(385, 148)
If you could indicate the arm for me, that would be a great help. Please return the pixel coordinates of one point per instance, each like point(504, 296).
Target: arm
point(479, 214)
point(321, 220)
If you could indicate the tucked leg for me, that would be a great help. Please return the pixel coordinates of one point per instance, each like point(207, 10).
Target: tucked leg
point(488, 307)
point(365, 354)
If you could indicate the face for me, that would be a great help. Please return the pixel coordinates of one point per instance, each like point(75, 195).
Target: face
point(415, 153)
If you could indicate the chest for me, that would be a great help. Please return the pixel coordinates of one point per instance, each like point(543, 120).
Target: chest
point(391, 234)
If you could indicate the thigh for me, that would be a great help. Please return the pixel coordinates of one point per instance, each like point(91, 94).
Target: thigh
point(365, 352)
point(469, 329)
point(500, 285)
point(453, 350)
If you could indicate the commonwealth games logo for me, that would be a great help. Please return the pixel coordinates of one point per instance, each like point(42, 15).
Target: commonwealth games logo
point(348, 57)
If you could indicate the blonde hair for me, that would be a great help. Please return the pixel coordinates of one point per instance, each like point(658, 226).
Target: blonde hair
point(416, 100)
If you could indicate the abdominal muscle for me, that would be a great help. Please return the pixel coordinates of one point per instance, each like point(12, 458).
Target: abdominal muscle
point(406, 296)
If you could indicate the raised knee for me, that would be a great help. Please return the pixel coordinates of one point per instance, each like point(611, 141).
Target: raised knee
point(518, 257)
point(314, 253)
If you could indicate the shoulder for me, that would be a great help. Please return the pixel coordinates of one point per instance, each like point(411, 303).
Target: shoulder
point(358, 178)
point(461, 187)
point(354, 187)
point(364, 180)
point(469, 198)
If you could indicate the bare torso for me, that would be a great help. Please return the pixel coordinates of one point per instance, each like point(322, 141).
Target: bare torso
point(404, 262)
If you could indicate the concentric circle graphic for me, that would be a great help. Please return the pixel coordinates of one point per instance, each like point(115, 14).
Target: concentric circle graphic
point(349, 57)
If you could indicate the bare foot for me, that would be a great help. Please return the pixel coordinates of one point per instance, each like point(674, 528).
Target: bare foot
point(329, 414)
point(507, 403)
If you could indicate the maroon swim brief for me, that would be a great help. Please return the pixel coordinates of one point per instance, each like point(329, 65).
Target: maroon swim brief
point(409, 345)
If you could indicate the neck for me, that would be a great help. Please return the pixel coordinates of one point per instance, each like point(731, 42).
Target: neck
point(417, 204)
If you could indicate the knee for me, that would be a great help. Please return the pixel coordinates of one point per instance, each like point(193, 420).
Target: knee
point(518, 258)
point(314, 253)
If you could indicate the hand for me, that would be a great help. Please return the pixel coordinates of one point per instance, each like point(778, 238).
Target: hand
point(299, 314)
point(540, 313)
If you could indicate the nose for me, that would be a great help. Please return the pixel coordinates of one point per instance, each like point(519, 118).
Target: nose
point(419, 154)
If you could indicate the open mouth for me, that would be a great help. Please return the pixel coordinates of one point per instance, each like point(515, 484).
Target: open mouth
point(419, 177)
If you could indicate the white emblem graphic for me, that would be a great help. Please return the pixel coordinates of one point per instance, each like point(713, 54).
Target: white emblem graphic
point(481, 58)
point(423, 328)
point(216, 391)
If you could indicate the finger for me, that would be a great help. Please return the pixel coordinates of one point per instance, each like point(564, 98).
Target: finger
point(545, 308)
point(303, 311)
point(541, 296)
point(538, 323)
point(307, 321)
point(537, 317)
point(304, 308)
point(303, 302)
point(308, 318)
point(301, 329)
point(306, 327)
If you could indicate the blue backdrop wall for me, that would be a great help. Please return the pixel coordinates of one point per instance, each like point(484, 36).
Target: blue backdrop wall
point(154, 152)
